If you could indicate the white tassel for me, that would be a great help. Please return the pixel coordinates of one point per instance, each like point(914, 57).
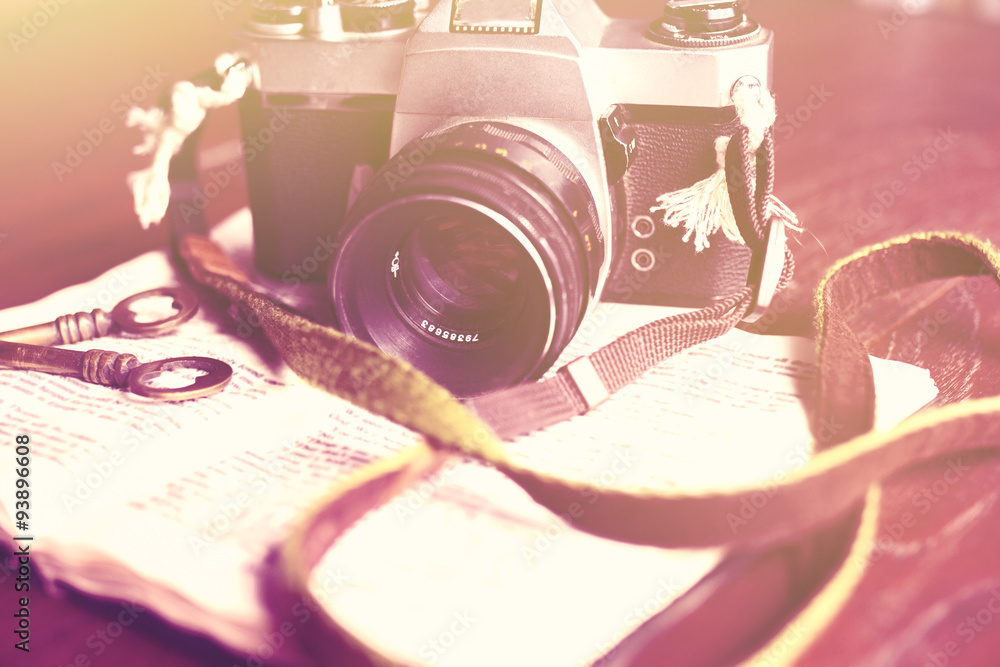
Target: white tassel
point(166, 133)
point(704, 208)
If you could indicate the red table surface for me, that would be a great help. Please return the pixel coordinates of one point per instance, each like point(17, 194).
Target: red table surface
point(889, 123)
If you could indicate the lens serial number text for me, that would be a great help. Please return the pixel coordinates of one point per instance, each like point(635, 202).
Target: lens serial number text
point(444, 334)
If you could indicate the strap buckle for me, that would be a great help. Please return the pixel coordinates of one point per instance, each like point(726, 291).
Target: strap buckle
point(768, 271)
point(586, 381)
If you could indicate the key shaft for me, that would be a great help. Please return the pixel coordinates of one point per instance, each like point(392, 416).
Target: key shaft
point(96, 366)
point(63, 330)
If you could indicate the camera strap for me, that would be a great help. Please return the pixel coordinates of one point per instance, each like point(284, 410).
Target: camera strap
point(841, 479)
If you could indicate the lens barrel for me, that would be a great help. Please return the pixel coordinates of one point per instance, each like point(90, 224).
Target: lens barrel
point(473, 254)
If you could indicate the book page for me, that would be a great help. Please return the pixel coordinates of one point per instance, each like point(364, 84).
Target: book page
point(176, 505)
point(468, 570)
point(180, 506)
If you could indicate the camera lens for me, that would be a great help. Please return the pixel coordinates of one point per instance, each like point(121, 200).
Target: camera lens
point(473, 254)
point(465, 271)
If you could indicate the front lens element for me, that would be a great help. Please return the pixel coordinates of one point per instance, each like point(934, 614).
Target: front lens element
point(465, 273)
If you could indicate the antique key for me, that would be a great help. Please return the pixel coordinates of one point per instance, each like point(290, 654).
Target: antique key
point(119, 370)
point(87, 326)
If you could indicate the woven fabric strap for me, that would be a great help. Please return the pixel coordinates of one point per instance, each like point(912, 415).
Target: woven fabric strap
point(833, 485)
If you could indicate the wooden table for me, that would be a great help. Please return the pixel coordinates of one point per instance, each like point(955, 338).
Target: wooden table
point(887, 125)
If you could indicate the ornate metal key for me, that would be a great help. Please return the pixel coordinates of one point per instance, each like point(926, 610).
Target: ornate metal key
point(119, 370)
point(87, 326)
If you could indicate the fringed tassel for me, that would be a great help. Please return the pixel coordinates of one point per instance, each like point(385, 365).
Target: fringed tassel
point(165, 133)
point(704, 208)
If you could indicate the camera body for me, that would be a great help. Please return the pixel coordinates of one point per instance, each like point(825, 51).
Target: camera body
point(358, 107)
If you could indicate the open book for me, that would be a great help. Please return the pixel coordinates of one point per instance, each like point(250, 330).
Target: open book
point(179, 507)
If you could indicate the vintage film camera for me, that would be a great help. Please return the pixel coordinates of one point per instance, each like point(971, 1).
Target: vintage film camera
point(478, 173)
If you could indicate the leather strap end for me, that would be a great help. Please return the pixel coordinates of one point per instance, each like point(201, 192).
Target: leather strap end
point(204, 258)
